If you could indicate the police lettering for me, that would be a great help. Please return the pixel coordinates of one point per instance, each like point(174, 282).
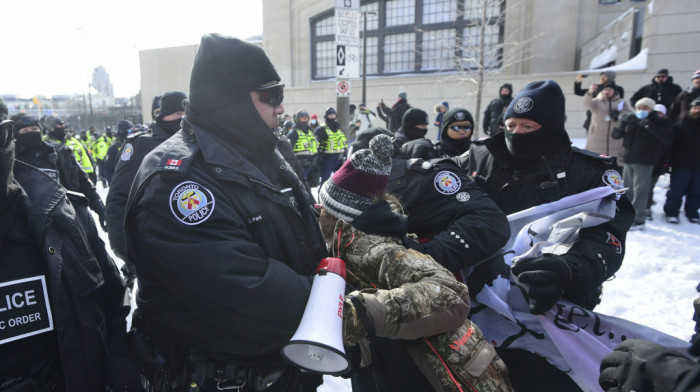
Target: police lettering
point(18, 300)
point(13, 322)
point(197, 215)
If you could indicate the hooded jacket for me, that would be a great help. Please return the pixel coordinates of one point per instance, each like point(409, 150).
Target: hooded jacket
point(495, 109)
point(661, 93)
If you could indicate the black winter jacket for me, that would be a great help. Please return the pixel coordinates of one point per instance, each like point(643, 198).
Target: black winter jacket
point(463, 224)
point(681, 105)
point(661, 93)
point(224, 254)
point(58, 161)
point(568, 171)
point(686, 144)
point(136, 146)
point(645, 141)
point(85, 289)
point(394, 115)
point(493, 112)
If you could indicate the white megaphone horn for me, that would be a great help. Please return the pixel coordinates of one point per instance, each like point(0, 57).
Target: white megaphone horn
point(317, 345)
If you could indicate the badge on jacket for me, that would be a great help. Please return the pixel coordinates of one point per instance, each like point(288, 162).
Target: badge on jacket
point(191, 203)
point(127, 152)
point(614, 179)
point(447, 183)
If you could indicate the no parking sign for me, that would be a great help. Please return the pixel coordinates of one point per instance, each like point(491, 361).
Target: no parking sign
point(342, 88)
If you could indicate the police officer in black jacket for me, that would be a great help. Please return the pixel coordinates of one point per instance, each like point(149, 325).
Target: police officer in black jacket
point(62, 315)
point(532, 162)
point(56, 160)
point(223, 234)
point(135, 148)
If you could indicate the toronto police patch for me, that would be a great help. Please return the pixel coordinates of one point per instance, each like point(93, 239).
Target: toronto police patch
point(191, 203)
point(614, 179)
point(523, 104)
point(127, 151)
point(447, 182)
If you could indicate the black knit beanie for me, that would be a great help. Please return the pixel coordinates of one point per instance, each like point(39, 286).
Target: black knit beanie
point(452, 116)
point(450, 146)
point(171, 102)
point(411, 118)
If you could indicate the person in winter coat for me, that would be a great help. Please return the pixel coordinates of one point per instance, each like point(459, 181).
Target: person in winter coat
point(495, 110)
point(137, 145)
point(456, 137)
point(685, 167)
point(681, 105)
point(63, 318)
point(605, 77)
point(661, 89)
point(55, 159)
point(646, 136)
point(223, 234)
point(365, 117)
point(305, 146)
point(393, 116)
point(531, 163)
point(114, 153)
point(606, 109)
point(398, 293)
point(414, 125)
point(441, 109)
point(332, 144)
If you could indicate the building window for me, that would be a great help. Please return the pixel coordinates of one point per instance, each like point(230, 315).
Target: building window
point(400, 53)
point(413, 36)
point(603, 2)
point(400, 12)
point(438, 50)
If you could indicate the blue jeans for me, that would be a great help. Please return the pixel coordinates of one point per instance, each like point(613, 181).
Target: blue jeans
point(329, 164)
point(684, 182)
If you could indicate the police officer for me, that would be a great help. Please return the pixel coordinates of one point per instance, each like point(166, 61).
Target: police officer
point(222, 233)
point(56, 160)
point(304, 144)
point(455, 137)
point(62, 318)
point(124, 128)
point(532, 162)
point(57, 136)
point(332, 144)
point(100, 153)
point(135, 148)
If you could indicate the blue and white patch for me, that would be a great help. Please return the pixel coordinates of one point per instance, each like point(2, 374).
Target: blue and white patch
point(127, 152)
point(191, 203)
point(523, 104)
point(614, 179)
point(447, 183)
point(463, 197)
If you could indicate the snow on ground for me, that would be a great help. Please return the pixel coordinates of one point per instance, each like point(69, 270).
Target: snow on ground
point(655, 285)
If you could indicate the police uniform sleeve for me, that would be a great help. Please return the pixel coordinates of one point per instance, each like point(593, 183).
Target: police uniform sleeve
point(121, 370)
point(212, 266)
point(292, 136)
point(600, 249)
point(476, 228)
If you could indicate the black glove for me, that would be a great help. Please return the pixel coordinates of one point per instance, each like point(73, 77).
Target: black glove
point(547, 276)
point(642, 366)
point(412, 243)
point(103, 220)
point(614, 114)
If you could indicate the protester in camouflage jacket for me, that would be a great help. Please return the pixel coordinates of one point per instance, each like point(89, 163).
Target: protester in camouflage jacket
point(399, 293)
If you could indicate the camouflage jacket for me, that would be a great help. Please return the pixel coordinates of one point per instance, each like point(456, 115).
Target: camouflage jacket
point(408, 295)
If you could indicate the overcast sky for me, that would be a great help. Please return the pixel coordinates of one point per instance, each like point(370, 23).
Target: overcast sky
point(51, 47)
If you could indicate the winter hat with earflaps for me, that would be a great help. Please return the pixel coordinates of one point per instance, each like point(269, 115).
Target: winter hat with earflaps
point(352, 189)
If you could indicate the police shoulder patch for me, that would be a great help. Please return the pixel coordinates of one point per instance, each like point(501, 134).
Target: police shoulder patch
point(447, 182)
point(463, 197)
point(191, 203)
point(613, 179)
point(127, 152)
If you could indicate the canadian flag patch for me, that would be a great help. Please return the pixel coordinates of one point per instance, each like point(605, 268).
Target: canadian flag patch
point(174, 162)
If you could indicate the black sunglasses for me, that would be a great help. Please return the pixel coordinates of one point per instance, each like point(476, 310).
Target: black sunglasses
point(461, 128)
point(6, 132)
point(272, 95)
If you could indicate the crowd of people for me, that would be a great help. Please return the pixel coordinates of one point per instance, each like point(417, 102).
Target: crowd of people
point(210, 207)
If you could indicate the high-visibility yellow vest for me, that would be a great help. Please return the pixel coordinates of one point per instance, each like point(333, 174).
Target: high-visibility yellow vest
point(101, 147)
point(306, 143)
point(336, 142)
point(81, 154)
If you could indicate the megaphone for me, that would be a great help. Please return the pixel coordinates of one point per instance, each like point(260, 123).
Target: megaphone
point(317, 345)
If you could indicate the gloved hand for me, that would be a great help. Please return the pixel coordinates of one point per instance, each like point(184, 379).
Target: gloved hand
point(547, 276)
point(642, 366)
point(353, 328)
point(411, 243)
point(103, 220)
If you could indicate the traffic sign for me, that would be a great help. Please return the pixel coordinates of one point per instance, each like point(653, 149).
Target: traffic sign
point(342, 88)
point(347, 62)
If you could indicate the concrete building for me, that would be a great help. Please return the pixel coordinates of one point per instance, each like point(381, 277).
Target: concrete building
point(428, 49)
point(101, 83)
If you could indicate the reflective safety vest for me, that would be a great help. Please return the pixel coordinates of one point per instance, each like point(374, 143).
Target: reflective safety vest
point(336, 142)
point(81, 155)
point(306, 143)
point(101, 147)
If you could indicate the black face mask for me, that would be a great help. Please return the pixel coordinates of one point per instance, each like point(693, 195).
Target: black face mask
point(304, 125)
point(413, 133)
point(526, 149)
point(58, 133)
point(331, 122)
point(170, 127)
point(29, 139)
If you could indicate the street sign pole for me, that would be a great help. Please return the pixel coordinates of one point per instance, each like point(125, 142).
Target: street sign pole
point(347, 40)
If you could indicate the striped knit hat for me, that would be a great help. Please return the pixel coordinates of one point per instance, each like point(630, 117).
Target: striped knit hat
point(361, 178)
